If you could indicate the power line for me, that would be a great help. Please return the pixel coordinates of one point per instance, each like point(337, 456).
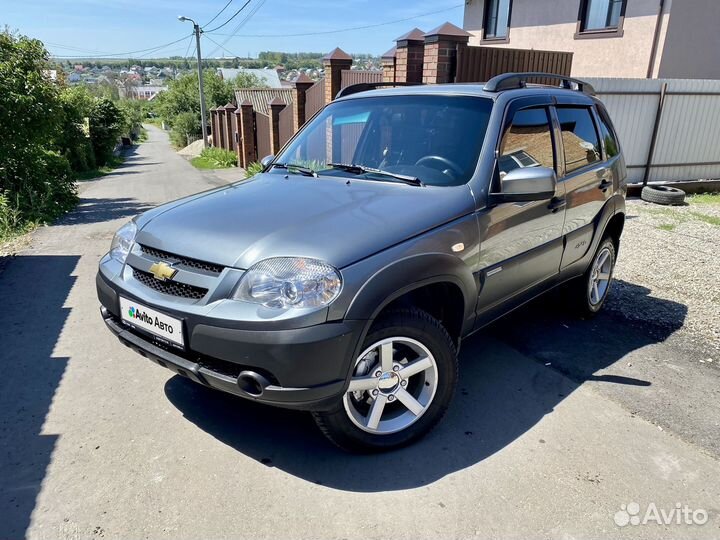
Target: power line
point(232, 17)
point(130, 53)
point(218, 13)
point(221, 47)
point(188, 47)
point(242, 23)
point(349, 29)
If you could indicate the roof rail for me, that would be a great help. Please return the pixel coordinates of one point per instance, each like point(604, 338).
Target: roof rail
point(362, 87)
point(508, 81)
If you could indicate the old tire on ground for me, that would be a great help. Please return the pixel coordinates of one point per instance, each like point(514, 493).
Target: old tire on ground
point(402, 384)
point(662, 195)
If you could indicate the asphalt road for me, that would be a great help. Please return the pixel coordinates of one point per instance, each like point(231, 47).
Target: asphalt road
point(97, 442)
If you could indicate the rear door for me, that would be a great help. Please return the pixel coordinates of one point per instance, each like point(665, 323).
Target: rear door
point(587, 178)
point(522, 242)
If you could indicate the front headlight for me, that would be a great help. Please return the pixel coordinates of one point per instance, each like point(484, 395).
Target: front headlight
point(289, 282)
point(123, 241)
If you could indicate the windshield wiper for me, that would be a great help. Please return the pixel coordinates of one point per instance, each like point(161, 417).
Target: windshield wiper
point(361, 169)
point(306, 171)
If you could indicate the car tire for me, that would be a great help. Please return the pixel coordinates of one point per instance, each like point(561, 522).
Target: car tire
point(589, 291)
point(663, 195)
point(406, 336)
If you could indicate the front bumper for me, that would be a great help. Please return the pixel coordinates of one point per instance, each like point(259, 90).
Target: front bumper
point(307, 367)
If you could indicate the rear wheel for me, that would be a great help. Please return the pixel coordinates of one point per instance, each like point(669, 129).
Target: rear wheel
point(590, 291)
point(402, 383)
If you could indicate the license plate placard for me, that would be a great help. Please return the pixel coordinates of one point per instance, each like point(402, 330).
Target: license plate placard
point(152, 321)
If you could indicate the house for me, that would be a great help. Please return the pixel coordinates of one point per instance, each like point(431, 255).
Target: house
point(268, 76)
point(608, 38)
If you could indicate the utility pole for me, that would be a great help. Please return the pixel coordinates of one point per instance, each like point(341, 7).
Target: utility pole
point(196, 29)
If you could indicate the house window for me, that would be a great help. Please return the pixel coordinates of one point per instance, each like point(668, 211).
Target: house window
point(601, 15)
point(497, 19)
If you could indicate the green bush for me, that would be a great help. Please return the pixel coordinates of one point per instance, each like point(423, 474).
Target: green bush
point(219, 157)
point(186, 124)
point(106, 125)
point(253, 169)
point(36, 181)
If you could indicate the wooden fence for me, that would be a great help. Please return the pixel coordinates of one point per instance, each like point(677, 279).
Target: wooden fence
point(480, 64)
point(262, 134)
point(285, 124)
point(356, 76)
point(314, 99)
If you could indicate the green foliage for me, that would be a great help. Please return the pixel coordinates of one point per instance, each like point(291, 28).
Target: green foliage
point(36, 182)
point(185, 124)
point(74, 142)
point(134, 113)
point(215, 158)
point(106, 125)
point(253, 169)
point(179, 106)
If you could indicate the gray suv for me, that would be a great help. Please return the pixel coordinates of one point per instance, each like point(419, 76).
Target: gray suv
point(397, 222)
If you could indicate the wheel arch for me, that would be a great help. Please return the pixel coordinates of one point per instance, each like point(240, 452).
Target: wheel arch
point(437, 278)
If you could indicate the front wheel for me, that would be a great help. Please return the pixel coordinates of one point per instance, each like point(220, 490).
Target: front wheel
point(401, 386)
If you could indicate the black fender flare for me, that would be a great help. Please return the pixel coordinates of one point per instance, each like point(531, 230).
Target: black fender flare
point(410, 273)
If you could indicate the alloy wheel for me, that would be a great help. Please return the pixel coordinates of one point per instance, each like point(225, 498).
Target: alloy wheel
point(393, 385)
point(600, 276)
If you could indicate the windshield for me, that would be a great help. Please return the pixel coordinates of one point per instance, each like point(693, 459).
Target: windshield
point(436, 139)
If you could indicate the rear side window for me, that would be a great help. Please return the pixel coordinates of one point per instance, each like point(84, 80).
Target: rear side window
point(579, 136)
point(527, 142)
point(612, 148)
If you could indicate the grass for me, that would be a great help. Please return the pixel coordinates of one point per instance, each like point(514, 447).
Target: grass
point(667, 226)
point(214, 158)
point(106, 169)
point(204, 163)
point(157, 122)
point(710, 220)
point(705, 198)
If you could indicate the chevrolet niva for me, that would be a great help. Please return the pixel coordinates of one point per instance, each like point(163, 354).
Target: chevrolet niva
point(398, 221)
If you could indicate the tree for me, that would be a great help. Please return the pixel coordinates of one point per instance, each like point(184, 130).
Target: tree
point(182, 100)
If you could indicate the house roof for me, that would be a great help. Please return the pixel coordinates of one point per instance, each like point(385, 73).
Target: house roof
point(268, 76)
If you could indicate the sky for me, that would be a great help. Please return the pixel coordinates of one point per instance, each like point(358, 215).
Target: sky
point(98, 27)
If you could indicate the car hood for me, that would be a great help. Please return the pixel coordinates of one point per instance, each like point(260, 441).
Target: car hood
point(272, 215)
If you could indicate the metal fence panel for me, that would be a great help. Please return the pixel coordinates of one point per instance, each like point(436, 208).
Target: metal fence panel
point(480, 64)
point(262, 134)
point(314, 98)
point(285, 124)
point(356, 76)
point(688, 139)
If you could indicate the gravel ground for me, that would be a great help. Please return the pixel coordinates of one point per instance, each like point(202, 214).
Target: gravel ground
point(675, 253)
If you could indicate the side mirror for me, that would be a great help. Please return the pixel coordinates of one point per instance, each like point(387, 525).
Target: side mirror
point(267, 160)
point(526, 184)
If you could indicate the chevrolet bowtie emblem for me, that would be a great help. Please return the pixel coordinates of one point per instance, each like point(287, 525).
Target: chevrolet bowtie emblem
point(163, 271)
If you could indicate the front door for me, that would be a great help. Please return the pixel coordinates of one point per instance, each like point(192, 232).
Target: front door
point(522, 243)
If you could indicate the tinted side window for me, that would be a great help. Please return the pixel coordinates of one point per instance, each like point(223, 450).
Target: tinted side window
point(612, 148)
point(527, 142)
point(580, 139)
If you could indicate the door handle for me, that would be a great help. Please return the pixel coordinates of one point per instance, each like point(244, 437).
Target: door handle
point(605, 185)
point(557, 203)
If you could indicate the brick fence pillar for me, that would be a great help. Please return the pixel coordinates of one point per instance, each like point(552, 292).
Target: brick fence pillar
point(388, 65)
point(440, 58)
point(335, 62)
point(302, 83)
point(229, 131)
point(213, 126)
point(222, 132)
point(409, 57)
point(247, 134)
point(275, 105)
